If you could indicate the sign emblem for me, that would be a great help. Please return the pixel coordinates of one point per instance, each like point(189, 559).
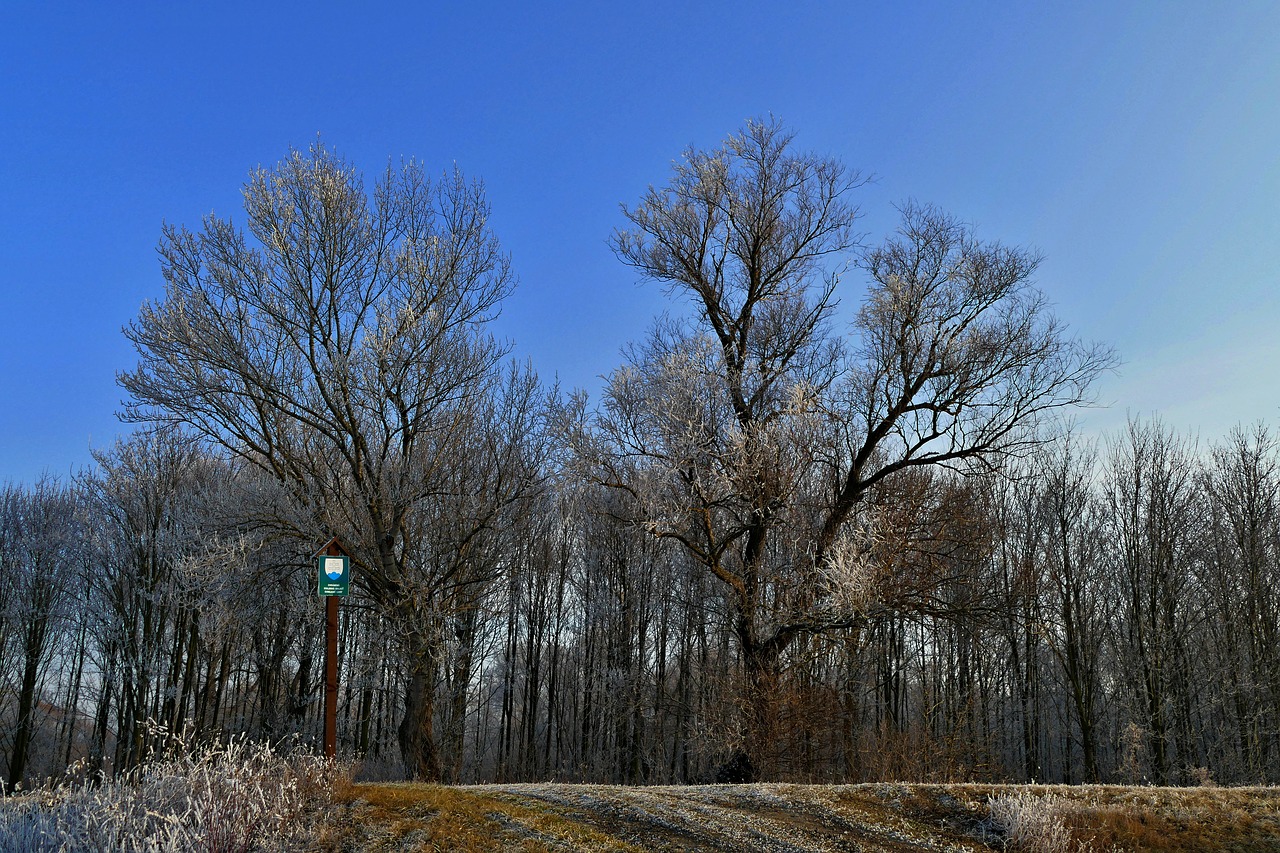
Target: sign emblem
point(333, 577)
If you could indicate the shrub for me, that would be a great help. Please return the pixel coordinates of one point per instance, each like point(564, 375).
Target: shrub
point(237, 797)
point(1034, 824)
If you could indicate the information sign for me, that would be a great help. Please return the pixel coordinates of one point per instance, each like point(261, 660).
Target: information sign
point(333, 576)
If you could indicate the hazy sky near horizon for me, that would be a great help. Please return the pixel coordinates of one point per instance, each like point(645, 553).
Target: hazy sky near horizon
point(1136, 145)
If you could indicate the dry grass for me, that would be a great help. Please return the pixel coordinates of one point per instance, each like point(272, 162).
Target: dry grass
point(403, 816)
point(1036, 824)
point(1176, 819)
point(238, 797)
point(244, 797)
point(630, 820)
point(801, 818)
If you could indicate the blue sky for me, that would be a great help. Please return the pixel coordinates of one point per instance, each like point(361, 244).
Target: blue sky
point(1137, 145)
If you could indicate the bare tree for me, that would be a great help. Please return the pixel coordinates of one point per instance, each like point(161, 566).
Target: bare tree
point(754, 436)
point(338, 345)
point(1076, 612)
point(1243, 486)
point(148, 497)
point(39, 548)
point(1156, 514)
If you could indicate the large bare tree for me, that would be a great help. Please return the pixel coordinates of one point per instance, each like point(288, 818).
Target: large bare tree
point(754, 435)
point(339, 344)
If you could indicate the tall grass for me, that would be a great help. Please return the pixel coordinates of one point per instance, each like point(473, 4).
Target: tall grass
point(237, 797)
point(1035, 824)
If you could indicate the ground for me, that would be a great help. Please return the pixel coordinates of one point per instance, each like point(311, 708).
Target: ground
point(791, 818)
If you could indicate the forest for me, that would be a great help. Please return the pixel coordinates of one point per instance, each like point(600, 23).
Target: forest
point(829, 521)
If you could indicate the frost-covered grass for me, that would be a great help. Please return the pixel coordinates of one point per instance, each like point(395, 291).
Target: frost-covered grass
point(785, 818)
point(1035, 824)
point(230, 798)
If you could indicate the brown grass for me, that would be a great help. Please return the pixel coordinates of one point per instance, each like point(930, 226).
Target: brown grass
point(550, 817)
point(404, 816)
point(1177, 819)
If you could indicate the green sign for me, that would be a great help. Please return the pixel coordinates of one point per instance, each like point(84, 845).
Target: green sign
point(333, 576)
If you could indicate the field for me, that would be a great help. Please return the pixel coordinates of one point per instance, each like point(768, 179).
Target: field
point(242, 797)
point(802, 818)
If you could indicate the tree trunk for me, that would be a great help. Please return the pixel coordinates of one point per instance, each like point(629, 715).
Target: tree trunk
point(417, 736)
point(34, 651)
point(102, 718)
point(761, 664)
point(454, 737)
point(72, 705)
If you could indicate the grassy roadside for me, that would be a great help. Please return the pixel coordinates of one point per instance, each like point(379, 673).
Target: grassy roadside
point(801, 818)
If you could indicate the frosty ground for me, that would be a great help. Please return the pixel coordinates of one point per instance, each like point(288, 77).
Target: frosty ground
point(803, 818)
point(244, 797)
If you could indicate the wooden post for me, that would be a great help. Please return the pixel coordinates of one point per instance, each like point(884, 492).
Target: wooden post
point(330, 676)
point(331, 663)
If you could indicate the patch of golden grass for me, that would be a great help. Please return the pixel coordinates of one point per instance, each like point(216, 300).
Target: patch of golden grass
point(1180, 819)
point(1119, 817)
point(439, 817)
point(1099, 817)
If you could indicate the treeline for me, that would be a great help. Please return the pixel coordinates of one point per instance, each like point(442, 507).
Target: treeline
point(1089, 614)
point(784, 543)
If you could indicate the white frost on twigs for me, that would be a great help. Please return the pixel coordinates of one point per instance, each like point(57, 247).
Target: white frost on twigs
point(848, 571)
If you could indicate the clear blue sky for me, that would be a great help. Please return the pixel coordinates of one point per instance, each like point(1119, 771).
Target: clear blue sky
point(1136, 144)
